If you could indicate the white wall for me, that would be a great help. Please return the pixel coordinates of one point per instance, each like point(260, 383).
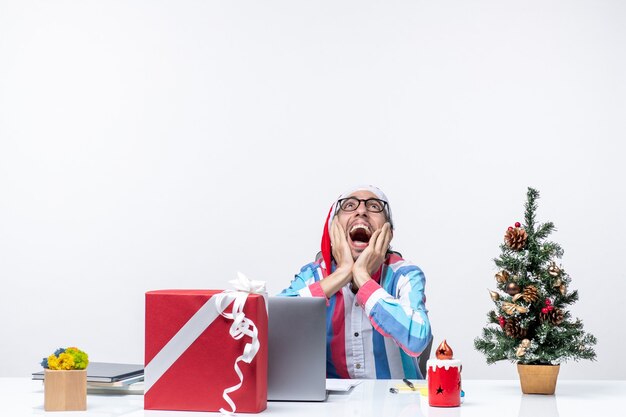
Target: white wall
point(153, 144)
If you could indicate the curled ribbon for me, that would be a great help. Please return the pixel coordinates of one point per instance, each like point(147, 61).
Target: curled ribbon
point(241, 326)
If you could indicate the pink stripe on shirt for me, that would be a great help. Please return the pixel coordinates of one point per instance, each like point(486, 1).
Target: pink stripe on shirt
point(338, 342)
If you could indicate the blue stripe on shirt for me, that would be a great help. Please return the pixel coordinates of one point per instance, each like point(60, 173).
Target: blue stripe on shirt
point(380, 356)
point(413, 336)
point(409, 365)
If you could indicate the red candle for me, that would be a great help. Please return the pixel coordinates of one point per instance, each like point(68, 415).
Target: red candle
point(444, 378)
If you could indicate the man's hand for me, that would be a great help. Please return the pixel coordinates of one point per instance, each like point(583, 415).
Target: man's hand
point(343, 258)
point(372, 257)
point(341, 250)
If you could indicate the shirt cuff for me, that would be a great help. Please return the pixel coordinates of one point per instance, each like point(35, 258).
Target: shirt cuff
point(369, 294)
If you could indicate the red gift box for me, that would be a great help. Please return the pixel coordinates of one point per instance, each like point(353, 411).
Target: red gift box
point(190, 355)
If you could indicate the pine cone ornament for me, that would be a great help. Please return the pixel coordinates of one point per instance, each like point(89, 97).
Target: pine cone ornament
point(553, 315)
point(515, 238)
point(513, 329)
point(530, 294)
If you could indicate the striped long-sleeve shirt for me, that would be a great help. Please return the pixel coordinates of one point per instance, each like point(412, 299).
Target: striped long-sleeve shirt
point(380, 331)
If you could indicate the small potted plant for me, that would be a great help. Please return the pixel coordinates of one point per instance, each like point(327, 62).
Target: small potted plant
point(65, 380)
point(530, 324)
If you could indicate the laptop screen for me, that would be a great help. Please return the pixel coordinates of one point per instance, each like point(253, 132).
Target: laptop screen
point(297, 349)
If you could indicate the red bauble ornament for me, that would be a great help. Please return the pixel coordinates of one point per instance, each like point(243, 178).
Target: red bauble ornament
point(510, 227)
point(544, 310)
point(548, 302)
point(550, 308)
point(517, 224)
point(501, 321)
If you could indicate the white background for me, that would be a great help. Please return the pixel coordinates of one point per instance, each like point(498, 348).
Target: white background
point(168, 144)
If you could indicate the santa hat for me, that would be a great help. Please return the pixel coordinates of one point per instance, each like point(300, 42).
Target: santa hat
point(326, 246)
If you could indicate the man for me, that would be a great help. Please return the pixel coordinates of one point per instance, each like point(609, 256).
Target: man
point(377, 322)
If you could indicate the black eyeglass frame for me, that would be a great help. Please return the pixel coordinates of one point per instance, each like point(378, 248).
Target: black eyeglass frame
point(364, 201)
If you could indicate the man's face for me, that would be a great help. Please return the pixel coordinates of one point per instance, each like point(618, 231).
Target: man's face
point(360, 223)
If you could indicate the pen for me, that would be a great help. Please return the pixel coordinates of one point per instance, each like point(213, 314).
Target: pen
point(409, 384)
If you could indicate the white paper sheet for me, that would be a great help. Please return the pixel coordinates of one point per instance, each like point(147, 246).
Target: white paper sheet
point(341, 385)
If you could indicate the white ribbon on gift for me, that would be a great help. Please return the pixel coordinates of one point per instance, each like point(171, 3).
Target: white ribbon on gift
point(242, 326)
point(197, 324)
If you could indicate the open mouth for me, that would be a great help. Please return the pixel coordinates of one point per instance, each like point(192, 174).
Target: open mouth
point(360, 235)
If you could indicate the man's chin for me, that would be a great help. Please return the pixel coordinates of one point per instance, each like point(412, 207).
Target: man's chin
point(356, 253)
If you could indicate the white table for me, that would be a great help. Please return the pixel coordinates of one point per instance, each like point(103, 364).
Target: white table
point(24, 397)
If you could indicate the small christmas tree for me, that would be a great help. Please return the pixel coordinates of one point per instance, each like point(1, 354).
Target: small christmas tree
point(532, 323)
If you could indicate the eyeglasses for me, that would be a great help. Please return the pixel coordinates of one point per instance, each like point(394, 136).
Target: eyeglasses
point(373, 205)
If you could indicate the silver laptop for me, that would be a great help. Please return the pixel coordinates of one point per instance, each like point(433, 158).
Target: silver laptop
point(297, 349)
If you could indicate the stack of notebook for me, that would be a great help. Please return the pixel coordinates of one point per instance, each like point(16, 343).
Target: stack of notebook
point(111, 377)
